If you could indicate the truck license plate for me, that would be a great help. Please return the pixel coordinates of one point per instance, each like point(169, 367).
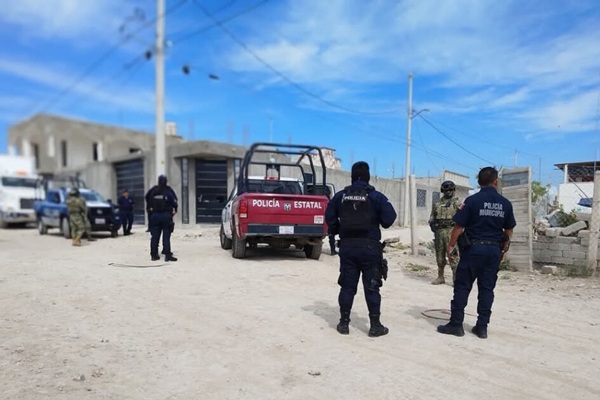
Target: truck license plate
point(99, 221)
point(318, 219)
point(286, 230)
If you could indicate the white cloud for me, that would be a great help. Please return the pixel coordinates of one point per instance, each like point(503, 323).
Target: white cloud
point(501, 56)
point(94, 90)
point(83, 20)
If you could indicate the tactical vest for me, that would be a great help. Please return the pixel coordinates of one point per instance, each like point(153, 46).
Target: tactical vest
point(159, 200)
point(445, 209)
point(356, 211)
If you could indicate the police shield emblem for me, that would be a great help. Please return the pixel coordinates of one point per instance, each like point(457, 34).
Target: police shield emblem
point(287, 206)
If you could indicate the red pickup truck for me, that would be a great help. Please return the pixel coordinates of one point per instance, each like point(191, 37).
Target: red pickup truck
point(274, 210)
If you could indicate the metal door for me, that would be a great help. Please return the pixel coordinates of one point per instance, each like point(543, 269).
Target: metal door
point(130, 176)
point(211, 190)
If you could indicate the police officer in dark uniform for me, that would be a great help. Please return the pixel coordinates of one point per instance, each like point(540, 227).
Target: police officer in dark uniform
point(486, 221)
point(356, 213)
point(126, 210)
point(162, 204)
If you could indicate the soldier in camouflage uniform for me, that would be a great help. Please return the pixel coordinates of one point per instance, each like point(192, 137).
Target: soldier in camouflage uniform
point(77, 215)
point(441, 225)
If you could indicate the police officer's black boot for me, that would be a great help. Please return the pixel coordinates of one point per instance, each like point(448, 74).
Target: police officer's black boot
point(480, 331)
point(343, 327)
point(451, 329)
point(377, 329)
point(169, 257)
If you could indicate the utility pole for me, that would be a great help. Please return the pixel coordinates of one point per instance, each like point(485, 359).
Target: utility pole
point(592, 262)
point(407, 169)
point(160, 88)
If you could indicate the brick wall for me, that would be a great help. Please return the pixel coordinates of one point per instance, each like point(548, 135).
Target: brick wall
point(562, 250)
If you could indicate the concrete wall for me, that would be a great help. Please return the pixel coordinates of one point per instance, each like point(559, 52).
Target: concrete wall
point(569, 195)
point(562, 250)
point(517, 189)
point(48, 131)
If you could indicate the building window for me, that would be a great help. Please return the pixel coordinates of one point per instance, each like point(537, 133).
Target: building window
point(36, 154)
point(63, 152)
point(95, 151)
point(435, 197)
point(421, 198)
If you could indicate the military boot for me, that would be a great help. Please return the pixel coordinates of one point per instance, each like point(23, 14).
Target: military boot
point(90, 238)
point(343, 326)
point(377, 329)
point(76, 241)
point(440, 279)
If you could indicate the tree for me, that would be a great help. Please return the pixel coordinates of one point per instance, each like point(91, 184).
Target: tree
point(538, 192)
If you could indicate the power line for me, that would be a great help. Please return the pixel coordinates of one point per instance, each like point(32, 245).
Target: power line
point(224, 20)
point(284, 77)
point(454, 141)
point(423, 144)
point(480, 138)
point(94, 65)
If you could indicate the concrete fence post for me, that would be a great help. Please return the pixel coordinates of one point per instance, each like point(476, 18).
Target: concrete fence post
point(592, 263)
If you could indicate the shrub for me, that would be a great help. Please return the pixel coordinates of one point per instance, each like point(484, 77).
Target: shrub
point(505, 265)
point(576, 271)
point(564, 219)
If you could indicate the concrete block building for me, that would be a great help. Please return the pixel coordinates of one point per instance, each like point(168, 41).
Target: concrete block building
point(110, 159)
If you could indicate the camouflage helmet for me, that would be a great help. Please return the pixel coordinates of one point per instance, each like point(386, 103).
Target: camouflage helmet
point(447, 186)
point(74, 192)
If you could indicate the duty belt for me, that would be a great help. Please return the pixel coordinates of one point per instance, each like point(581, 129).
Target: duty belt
point(485, 242)
point(445, 224)
point(359, 242)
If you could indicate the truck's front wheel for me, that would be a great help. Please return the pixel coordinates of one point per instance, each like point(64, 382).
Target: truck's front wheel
point(238, 246)
point(66, 229)
point(42, 228)
point(313, 251)
point(225, 241)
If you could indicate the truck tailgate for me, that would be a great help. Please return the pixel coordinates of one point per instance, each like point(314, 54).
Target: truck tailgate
point(283, 214)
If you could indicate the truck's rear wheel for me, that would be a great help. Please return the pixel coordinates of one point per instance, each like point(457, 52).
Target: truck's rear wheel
point(66, 229)
point(225, 241)
point(42, 228)
point(313, 251)
point(238, 246)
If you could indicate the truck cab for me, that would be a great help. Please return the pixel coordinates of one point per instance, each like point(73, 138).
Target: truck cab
point(52, 212)
point(17, 190)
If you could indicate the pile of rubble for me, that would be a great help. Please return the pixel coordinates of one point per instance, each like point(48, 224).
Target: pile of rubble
point(548, 226)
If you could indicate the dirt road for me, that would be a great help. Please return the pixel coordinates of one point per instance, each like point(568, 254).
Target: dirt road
point(104, 322)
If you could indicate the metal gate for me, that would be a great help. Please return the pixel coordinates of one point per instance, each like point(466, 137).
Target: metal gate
point(211, 190)
point(130, 176)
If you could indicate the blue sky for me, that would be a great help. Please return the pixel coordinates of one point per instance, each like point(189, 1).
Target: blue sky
point(505, 82)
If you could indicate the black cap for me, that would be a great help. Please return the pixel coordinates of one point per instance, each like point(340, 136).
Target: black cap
point(162, 180)
point(360, 172)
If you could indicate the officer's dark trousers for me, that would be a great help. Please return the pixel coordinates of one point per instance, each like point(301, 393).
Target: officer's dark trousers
point(479, 262)
point(332, 242)
point(127, 221)
point(160, 225)
point(354, 260)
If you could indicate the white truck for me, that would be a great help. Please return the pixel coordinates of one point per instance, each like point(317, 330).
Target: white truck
point(18, 183)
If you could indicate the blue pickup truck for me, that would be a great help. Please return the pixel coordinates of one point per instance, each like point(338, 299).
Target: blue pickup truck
point(52, 212)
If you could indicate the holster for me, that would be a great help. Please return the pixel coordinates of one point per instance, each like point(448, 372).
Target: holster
point(463, 241)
